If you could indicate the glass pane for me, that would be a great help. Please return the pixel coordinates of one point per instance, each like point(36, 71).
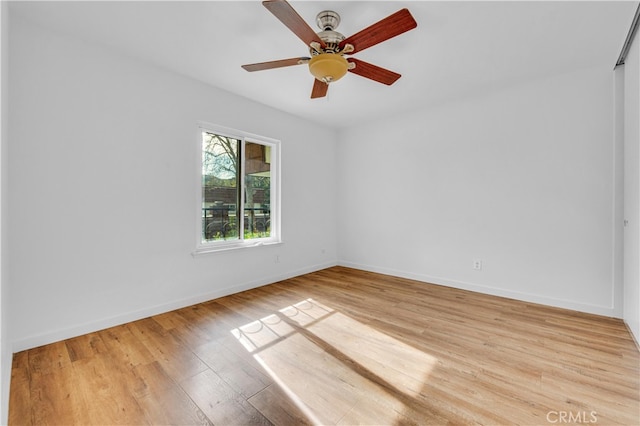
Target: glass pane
point(220, 182)
point(257, 182)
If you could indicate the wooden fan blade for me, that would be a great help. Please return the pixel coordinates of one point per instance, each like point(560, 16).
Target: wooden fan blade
point(319, 89)
point(275, 64)
point(391, 26)
point(373, 72)
point(289, 17)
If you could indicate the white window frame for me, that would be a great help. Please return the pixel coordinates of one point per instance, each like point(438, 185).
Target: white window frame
point(243, 137)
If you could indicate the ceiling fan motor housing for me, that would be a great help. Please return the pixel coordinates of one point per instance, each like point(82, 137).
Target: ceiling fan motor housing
point(328, 21)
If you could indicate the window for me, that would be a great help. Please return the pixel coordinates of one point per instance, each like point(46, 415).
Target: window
point(238, 203)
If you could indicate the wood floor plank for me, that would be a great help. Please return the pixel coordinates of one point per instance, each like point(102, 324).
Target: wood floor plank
point(124, 346)
point(85, 346)
point(280, 408)
point(145, 329)
point(20, 367)
point(236, 372)
point(20, 403)
point(163, 401)
point(48, 358)
point(56, 398)
point(220, 402)
point(152, 378)
point(338, 346)
point(321, 381)
point(177, 359)
point(106, 389)
point(20, 406)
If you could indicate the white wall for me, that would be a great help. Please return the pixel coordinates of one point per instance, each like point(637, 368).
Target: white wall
point(103, 155)
point(5, 338)
point(632, 189)
point(522, 179)
point(102, 191)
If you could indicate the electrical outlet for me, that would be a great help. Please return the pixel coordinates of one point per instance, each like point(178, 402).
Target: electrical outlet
point(477, 264)
point(276, 259)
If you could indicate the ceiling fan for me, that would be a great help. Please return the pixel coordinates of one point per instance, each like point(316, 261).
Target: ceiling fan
point(328, 47)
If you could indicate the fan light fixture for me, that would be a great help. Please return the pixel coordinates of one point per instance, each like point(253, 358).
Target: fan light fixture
point(328, 47)
point(328, 67)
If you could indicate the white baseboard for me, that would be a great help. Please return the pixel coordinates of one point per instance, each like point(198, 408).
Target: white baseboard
point(123, 318)
point(525, 297)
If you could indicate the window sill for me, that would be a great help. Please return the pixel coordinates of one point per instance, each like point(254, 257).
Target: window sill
point(235, 245)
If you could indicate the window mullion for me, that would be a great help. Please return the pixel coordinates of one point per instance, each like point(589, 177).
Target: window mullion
point(241, 188)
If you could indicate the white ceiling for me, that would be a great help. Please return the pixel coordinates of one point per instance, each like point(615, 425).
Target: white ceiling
point(458, 49)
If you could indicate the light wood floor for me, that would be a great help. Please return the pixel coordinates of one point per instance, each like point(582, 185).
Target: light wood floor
point(338, 346)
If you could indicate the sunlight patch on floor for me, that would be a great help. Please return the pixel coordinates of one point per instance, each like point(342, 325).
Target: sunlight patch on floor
point(335, 368)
